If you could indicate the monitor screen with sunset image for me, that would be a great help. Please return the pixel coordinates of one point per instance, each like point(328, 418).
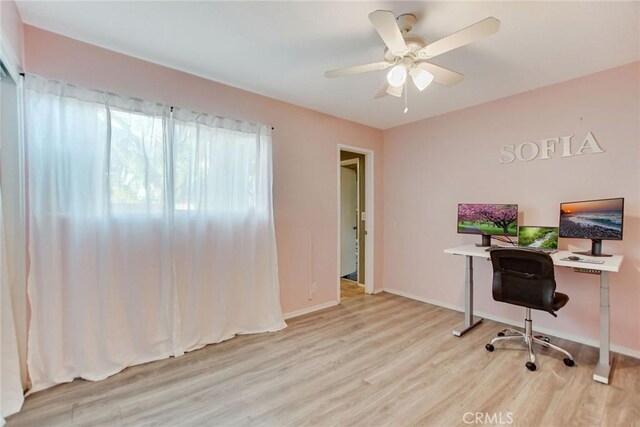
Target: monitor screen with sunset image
point(593, 219)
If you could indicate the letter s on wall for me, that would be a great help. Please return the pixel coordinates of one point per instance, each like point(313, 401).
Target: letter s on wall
point(507, 154)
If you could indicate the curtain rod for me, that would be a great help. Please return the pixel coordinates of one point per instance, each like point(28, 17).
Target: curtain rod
point(272, 128)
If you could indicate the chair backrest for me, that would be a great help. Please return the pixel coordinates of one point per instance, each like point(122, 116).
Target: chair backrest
point(523, 277)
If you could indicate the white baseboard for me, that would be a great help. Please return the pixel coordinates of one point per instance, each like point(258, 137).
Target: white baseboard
point(308, 310)
point(422, 299)
point(518, 323)
point(377, 291)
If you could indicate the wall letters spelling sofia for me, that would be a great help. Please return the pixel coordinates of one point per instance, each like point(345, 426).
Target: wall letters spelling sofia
point(547, 148)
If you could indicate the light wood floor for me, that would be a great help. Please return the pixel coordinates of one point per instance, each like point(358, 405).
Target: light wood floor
point(373, 360)
point(350, 289)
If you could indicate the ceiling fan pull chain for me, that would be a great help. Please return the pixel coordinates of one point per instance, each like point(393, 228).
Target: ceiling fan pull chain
point(406, 97)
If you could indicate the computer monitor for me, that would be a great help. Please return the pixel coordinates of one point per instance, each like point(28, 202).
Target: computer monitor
point(536, 237)
point(488, 220)
point(597, 220)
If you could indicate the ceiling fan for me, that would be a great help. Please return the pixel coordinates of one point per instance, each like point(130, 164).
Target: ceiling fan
point(407, 53)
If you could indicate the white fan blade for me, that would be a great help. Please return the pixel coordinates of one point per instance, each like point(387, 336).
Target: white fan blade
point(382, 92)
point(472, 33)
point(395, 90)
point(441, 75)
point(357, 69)
point(385, 24)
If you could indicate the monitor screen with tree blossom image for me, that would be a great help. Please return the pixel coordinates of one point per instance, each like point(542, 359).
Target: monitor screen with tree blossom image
point(488, 220)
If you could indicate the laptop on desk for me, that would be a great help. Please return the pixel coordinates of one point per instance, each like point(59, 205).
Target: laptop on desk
point(544, 239)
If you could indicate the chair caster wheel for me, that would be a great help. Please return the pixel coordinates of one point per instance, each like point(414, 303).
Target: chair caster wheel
point(546, 339)
point(568, 362)
point(500, 334)
point(531, 366)
point(489, 347)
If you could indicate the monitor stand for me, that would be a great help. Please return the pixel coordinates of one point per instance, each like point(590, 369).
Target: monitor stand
point(596, 249)
point(486, 241)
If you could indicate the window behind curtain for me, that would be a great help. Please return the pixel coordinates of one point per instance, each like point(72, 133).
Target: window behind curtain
point(215, 169)
point(137, 162)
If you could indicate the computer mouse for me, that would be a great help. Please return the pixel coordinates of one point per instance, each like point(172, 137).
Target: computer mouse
point(573, 258)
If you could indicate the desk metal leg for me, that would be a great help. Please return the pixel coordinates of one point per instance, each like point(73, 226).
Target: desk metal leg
point(603, 368)
point(470, 321)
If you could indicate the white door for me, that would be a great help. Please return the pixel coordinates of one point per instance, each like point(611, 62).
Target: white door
point(348, 220)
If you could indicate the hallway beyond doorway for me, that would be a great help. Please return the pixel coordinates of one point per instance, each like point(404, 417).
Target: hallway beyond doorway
point(349, 289)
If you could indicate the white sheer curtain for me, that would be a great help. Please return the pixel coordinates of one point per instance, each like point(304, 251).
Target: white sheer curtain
point(13, 268)
point(225, 249)
point(133, 218)
point(11, 395)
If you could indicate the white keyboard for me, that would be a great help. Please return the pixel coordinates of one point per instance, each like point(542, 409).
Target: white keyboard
point(585, 260)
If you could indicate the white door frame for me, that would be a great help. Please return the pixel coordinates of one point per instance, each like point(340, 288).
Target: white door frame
point(356, 161)
point(369, 217)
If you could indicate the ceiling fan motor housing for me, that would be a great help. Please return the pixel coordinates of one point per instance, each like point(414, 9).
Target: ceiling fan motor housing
point(414, 43)
point(406, 22)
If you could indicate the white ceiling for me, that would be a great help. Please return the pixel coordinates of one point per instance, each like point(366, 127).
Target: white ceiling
point(282, 49)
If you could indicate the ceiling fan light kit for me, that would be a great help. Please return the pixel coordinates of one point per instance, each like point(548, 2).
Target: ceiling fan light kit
point(397, 76)
point(407, 53)
point(394, 90)
point(421, 78)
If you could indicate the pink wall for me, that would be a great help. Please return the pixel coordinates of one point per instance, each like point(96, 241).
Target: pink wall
point(431, 165)
point(11, 27)
point(305, 153)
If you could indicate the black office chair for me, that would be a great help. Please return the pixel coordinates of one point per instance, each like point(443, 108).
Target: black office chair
point(525, 277)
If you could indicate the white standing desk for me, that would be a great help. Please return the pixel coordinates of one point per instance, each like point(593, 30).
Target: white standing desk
point(611, 264)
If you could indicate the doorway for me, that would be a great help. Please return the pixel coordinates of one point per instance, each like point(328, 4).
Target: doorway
point(351, 253)
point(355, 222)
